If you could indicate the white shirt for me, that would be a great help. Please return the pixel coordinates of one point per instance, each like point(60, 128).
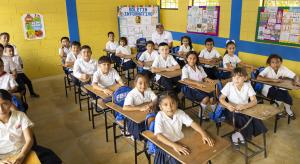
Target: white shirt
point(232, 60)
point(268, 72)
point(135, 97)
point(18, 63)
point(184, 49)
point(103, 80)
point(236, 96)
point(189, 73)
point(65, 49)
point(11, 134)
point(160, 62)
point(7, 82)
point(147, 57)
point(166, 37)
point(83, 67)
point(71, 57)
point(124, 50)
point(111, 45)
point(9, 65)
point(209, 55)
point(171, 128)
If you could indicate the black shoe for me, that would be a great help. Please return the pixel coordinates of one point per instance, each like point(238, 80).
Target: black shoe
point(293, 116)
point(34, 95)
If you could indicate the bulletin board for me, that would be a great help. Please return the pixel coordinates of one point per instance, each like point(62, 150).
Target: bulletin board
point(279, 25)
point(203, 20)
point(137, 22)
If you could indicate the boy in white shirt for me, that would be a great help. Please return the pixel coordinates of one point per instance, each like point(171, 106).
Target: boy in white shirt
point(210, 54)
point(4, 40)
point(148, 57)
point(160, 36)
point(7, 81)
point(73, 54)
point(9, 65)
point(111, 45)
point(64, 49)
point(21, 79)
point(165, 62)
point(85, 67)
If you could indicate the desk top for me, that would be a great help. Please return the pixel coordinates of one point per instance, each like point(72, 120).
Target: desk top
point(170, 74)
point(209, 87)
point(200, 153)
point(100, 93)
point(146, 64)
point(31, 158)
point(135, 116)
point(129, 56)
point(261, 111)
point(286, 84)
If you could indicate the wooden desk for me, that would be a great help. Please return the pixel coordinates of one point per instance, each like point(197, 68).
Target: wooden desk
point(146, 64)
point(98, 93)
point(128, 56)
point(31, 158)
point(170, 74)
point(209, 87)
point(200, 153)
point(135, 116)
point(286, 84)
point(261, 111)
point(82, 80)
point(180, 56)
point(211, 63)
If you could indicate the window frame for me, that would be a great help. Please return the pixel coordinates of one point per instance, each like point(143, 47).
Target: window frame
point(193, 3)
point(169, 8)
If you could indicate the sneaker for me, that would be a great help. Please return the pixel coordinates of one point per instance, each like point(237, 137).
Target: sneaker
point(293, 116)
point(235, 142)
point(34, 95)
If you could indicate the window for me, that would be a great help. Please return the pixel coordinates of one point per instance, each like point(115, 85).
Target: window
point(287, 3)
point(204, 3)
point(169, 4)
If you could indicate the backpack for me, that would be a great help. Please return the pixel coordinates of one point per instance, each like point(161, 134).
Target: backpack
point(218, 115)
point(175, 49)
point(141, 44)
point(19, 104)
point(118, 98)
point(257, 86)
point(149, 124)
point(138, 55)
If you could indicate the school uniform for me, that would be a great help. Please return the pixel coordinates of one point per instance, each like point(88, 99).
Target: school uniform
point(241, 97)
point(184, 49)
point(134, 98)
point(66, 52)
point(278, 94)
point(12, 139)
point(160, 62)
point(83, 67)
point(7, 81)
point(22, 79)
point(112, 46)
point(233, 61)
point(9, 65)
point(166, 37)
point(71, 57)
point(147, 57)
point(106, 80)
point(211, 71)
point(171, 128)
point(196, 75)
point(126, 63)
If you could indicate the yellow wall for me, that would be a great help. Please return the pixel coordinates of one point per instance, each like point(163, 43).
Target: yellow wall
point(40, 56)
point(96, 18)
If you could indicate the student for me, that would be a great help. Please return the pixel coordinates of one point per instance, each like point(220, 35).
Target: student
point(7, 81)
point(238, 92)
point(162, 36)
point(168, 128)
point(186, 46)
point(148, 56)
point(140, 98)
point(85, 67)
point(9, 65)
point(122, 51)
point(105, 76)
point(165, 62)
point(16, 136)
point(73, 54)
point(4, 40)
point(111, 45)
point(230, 60)
point(64, 49)
point(274, 73)
point(210, 54)
point(21, 79)
point(193, 73)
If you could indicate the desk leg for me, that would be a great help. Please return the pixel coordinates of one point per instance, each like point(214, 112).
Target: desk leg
point(79, 97)
point(209, 162)
point(92, 113)
point(115, 138)
point(201, 115)
point(276, 121)
point(66, 89)
point(135, 152)
point(265, 144)
point(105, 120)
point(89, 107)
point(75, 92)
point(246, 152)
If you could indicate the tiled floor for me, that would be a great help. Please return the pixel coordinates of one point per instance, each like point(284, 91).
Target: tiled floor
point(60, 126)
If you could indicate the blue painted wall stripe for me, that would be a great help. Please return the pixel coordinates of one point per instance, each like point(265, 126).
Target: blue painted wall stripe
point(72, 20)
point(235, 19)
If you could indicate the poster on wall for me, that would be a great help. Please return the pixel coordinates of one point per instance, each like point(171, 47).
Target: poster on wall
point(137, 22)
point(203, 20)
point(33, 25)
point(279, 25)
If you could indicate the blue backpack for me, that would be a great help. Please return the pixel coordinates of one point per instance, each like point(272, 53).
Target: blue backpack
point(218, 115)
point(19, 104)
point(118, 98)
point(138, 55)
point(257, 86)
point(150, 123)
point(141, 44)
point(175, 49)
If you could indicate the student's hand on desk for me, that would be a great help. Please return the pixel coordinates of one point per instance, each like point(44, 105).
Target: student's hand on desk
point(231, 107)
point(208, 140)
point(296, 83)
point(277, 80)
point(181, 149)
point(108, 92)
point(146, 108)
point(240, 107)
point(19, 160)
point(84, 76)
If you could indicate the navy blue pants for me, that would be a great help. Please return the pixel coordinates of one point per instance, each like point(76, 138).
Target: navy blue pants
point(168, 83)
point(161, 157)
point(46, 156)
point(195, 95)
point(180, 62)
point(280, 95)
point(23, 80)
point(128, 65)
point(255, 127)
point(225, 75)
point(135, 129)
point(115, 59)
point(148, 73)
point(212, 73)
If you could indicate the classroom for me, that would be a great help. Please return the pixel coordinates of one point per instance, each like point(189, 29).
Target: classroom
point(149, 81)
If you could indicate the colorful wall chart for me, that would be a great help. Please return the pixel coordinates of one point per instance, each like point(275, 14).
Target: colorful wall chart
point(137, 22)
point(203, 20)
point(279, 25)
point(33, 25)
